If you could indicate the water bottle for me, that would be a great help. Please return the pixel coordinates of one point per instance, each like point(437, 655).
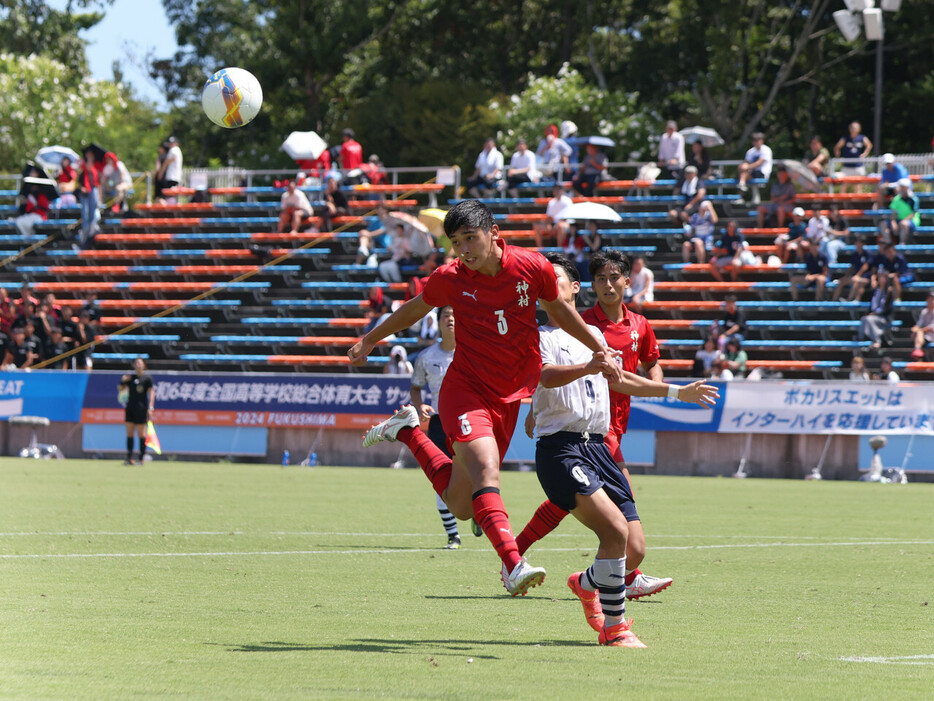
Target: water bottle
point(285, 458)
point(313, 459)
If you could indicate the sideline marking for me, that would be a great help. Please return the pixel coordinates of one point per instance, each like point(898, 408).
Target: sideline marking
point(905, 659)
point(267, 553)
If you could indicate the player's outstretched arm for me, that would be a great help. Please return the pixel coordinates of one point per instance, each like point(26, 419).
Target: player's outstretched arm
point(694, 393)
point(401, 319)
point(567, 318)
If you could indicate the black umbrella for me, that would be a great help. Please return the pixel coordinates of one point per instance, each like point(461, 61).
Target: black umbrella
point(36, 180)
point(97, 150)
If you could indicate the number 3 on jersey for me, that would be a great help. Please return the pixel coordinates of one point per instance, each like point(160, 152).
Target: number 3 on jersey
point(501, 324)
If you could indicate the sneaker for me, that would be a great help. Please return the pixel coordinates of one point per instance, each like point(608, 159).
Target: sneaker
point(620, 635)
point(388, 429)
point(475, 528)
point(645, 585)
point(917, 354)
point(454, 542)
point(522, 578)
point(128, 461)
point(593, 611)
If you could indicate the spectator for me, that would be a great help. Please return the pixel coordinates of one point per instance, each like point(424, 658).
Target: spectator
point(732, 323)
point(335, 203)
point(158, 180)
point(822, 237)
point(36, 208)
point(905, 215)
point(52, 308)
point(67, 181)
point(294, 207)
point(398, 362)
point(854, 147)
point(553, 154)
point(521, 168)
point(88, 190)
point(757, 162)
point(781, 199)
point(7, 313)
point(671, 152)
point(889, 177)
point(19, 354)
point(703, 358)
point(553, 226)
point(54, 347)
point(816, 272)
point(574, 142)
point(592, 169)
point(719, 371)
point(92, 307)
point(377, 307)
point(68, 326)
point(858, 371)
point(786, 244)
point(351, 152)
point(839, 225)
point(316, 168)
point(399, 251)
point(891, 264)
point(641, 285)
point(373, 170)
point(876, 325)
point(375, 235)
point(857, 275)
point(886, 373)
point(729, 251)
point(698, 233)
point(487, 170)
point(735, 357)
point(85, 331)
point(578, 243)
point(116, 181)
point(171, 174)
point(923, 331)
point(817, 159)
point(25, 297)
point(700, 159)
point(692, 192)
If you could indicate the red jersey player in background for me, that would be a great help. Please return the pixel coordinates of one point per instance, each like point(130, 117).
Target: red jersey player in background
point(493, 288)
point(631, 335)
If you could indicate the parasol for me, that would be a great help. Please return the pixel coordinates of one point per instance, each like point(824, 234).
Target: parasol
point(707, 136)
point(304, 145)
point(801, 175)
point(589, 211)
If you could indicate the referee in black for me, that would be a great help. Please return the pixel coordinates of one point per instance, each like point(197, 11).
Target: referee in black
point(139, 407)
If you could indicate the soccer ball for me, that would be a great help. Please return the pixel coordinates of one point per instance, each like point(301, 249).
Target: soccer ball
point(231, 97)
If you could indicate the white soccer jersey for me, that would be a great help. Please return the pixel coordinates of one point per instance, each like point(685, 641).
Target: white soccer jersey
point(430, 366)
point(580, 406)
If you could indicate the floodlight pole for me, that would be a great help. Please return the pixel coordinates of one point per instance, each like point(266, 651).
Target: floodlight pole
point(877, 125)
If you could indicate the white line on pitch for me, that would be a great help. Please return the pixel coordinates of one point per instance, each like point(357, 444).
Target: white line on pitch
point(905, 659)
point(270, 553)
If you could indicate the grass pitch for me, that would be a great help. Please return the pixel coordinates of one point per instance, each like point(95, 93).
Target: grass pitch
point(212, 581)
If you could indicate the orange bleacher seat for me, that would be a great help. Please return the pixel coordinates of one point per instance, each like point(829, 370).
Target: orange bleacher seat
point(703, 267)
point(349, 323)
point(683, 304)
point(859, 179)
point(373, 204)
point(672, 323)
point(345, 341)
point(529, 217)
point(308, 360)
point(618, 199)
point(920, 366)
point(401, 187)
point(517, 233)
point(180, 207)
point(131, 238)
point(163, 221)
point(703, 285)
point(835, 196)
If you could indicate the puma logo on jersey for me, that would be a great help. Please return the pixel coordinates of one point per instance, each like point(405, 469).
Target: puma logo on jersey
point(470, 294)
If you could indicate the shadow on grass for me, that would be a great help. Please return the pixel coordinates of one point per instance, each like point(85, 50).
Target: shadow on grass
point(396, 646)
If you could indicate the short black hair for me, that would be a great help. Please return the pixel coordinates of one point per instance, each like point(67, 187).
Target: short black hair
point(565, 264)
point(472, 214)
point(610, 256)
point(348, 132)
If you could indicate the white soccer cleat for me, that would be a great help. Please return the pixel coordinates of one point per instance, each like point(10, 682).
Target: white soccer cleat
point(645, 585)
point(388, 429)
point(522, 578)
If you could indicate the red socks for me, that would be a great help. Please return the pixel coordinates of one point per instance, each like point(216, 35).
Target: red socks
point(490, 513)
point(630, 578)
point(545, 519)
point(435, 464)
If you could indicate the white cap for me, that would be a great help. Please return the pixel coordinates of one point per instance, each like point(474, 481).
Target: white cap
point(799, 211)
point(888, 158)
point(568, 128)
point(905, 182)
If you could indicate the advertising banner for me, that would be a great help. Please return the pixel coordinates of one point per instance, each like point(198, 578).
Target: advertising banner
point(266, 400)
point(54, 394)
point(664, 414)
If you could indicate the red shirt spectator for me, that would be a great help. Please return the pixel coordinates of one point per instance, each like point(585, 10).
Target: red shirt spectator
point(316, 168)
point(373, 170)
point(351, 152)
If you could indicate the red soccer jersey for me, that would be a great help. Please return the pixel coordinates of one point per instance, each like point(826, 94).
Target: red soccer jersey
point(497, 335)
point(634, 337)
point(351, 155)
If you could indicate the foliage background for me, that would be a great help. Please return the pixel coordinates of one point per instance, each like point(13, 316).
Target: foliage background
point(424, 81)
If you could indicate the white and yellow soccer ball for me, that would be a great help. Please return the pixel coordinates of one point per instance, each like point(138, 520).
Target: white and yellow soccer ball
point(231, 97)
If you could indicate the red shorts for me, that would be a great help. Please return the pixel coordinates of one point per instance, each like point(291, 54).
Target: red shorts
point(611, 440)
point(467, 414)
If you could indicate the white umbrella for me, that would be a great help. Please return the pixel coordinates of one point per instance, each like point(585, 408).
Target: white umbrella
point(589, 211)
point(304, 145)
point(50, 157)
point(801, 175)
point(707, 136)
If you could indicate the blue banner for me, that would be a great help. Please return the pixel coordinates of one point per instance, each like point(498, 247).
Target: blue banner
point(54, 394)
point(664, 414)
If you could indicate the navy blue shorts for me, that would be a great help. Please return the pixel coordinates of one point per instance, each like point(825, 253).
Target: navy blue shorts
point(436, 434)
point(567, 465)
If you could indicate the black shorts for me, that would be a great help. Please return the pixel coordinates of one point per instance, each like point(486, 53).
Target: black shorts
point(437, 435)
point(567, 465)
point(136, 415)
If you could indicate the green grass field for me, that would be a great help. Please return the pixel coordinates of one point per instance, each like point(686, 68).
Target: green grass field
point(218, 581)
